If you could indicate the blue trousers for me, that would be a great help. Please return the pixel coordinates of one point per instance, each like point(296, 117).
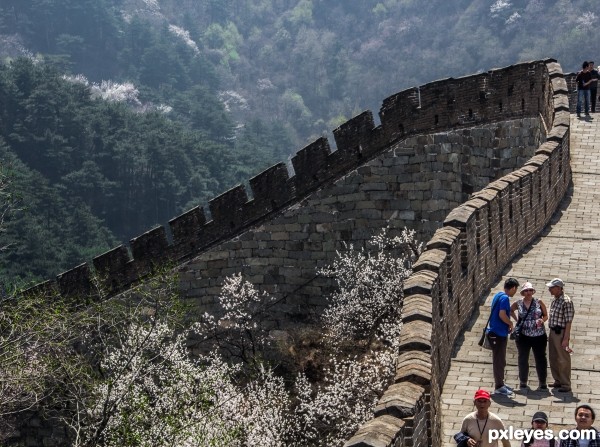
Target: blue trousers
point(583, 95)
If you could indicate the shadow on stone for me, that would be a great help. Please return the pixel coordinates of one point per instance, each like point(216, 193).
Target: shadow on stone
point(506, 401)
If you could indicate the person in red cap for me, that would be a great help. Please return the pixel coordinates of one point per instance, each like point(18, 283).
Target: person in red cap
point(475, 428)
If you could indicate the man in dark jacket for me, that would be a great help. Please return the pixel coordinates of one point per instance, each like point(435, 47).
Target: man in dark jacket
point(584, 79)
point(593, 85)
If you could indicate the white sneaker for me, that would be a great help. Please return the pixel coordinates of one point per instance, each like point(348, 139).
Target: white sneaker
point(509, 388)
point(504, 391)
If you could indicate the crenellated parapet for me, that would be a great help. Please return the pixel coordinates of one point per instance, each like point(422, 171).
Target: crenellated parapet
point(463, 260)
point(518, 91)
point(477, 164)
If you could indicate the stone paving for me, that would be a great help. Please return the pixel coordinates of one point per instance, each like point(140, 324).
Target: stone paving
point(570, 249)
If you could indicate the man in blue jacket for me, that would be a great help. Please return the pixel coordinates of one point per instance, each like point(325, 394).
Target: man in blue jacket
point(498, 329)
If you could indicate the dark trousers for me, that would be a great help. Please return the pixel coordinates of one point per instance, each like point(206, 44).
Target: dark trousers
point(498, 358)
point(538, 345)
point(594, 96)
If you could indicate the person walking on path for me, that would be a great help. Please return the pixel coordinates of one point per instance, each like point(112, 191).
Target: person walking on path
point(498, 329)
point(539, 421)
point(560, 319)
point(475, 428)
point(593, 85)
point(585, 434)
point(531, 314)
point(583, 79)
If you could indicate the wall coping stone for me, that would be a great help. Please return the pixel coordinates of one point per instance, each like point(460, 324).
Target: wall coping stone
point(380, 432)
point(453, 239)
point(443, 238)
point(430, 260)
point(417, 307)
point(400, 400)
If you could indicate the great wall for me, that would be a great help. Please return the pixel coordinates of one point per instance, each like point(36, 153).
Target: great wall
point(462, 161)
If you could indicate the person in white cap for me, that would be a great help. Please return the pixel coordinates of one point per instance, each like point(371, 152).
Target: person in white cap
point(560, 319)
point(531, 314)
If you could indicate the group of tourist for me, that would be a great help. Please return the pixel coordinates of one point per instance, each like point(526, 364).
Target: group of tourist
point(482, 428)
point(587, 88)
point(529, 333)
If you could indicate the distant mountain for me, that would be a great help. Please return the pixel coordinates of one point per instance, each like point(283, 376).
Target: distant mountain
point(306, 64)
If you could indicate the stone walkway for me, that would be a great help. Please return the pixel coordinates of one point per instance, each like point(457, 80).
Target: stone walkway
point(569, 249)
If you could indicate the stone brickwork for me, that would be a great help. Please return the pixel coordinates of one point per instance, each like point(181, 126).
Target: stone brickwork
point(428, 166)
point(415, 184)
point(514, 92)
point(462, 260)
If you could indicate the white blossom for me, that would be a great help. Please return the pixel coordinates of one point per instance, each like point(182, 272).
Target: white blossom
point(587, 21)
point(155, 392)
point(369, 287)
point(499, 6)
point(11, 45)
point(264, 84)
point(152, 4)
point(230, 98)
point(113, 91)
point(77, 79)
point(514, 17)
point(185, 36)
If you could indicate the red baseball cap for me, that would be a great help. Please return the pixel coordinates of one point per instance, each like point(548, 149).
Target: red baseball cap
point(482, 394)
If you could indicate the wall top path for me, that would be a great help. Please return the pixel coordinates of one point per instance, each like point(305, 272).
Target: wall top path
point(462, 261)
point(506, 93)
point(569, 249)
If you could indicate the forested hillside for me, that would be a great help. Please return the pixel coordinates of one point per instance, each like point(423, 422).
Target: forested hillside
point(89, 173)
point(124, 113)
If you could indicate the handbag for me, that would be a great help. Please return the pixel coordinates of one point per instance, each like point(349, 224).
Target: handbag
point(516, 333)
point(484, 341)
point(461, 439)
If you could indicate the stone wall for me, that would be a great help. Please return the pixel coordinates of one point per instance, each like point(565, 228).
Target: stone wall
point(415, 184)
point(498, 95)
point(436, 145)
point(461, 262)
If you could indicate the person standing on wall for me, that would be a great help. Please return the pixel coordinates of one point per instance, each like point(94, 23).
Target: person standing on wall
point(583, 79)
point(594, 85)
point(475, 428)
point(584, 418)
point(499, 328)
point(539, 421)
point(531, 314)
point(560, 319)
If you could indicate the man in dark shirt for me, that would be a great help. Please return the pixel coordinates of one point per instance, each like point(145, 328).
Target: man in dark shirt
point(584, 79)
point(593, 85)
point(584, 433)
